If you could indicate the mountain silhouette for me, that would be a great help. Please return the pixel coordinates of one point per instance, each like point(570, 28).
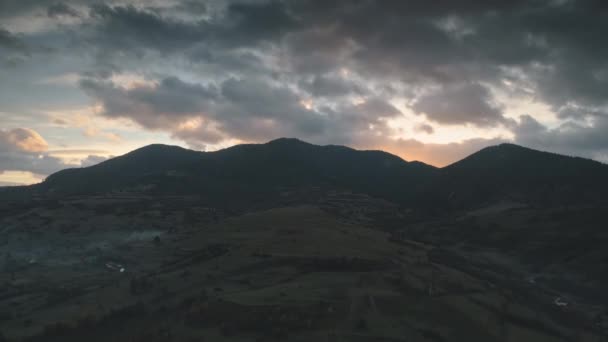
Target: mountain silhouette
point(252, 171)
point(523, 174)
point(128, 170)
point(247, 169)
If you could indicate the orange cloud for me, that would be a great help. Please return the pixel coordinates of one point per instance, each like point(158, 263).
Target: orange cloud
point(26, 139)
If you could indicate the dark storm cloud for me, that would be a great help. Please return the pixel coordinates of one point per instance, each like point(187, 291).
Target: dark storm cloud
point(403, 39)
point(576, 68)
point(10, 41)
point(317, 50)
point(330, 86)
point(575, 111)
point(257, 98)
point(61, 9)
point(248, 22)
point(17, 8)
point(229, 61)
point(461, 103)
point(127, 28)
point(571, 138)
point(134, 29)
point(192, 6)
point(13, 50)
point(10, 8)
point(409, 40)
point(153, 106)
point(455, 41)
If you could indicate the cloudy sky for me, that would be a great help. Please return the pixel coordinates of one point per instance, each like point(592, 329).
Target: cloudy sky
point(82, 80)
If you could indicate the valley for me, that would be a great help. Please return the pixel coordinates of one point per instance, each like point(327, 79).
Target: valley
point(313, 271)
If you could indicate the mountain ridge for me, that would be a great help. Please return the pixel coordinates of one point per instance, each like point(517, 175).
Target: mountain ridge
point(247, 168)
point(495, 172)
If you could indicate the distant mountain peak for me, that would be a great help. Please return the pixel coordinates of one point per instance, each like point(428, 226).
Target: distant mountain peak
point(287, 142)
point(510, 145)
point(504, 147)
point(157, 148)
point(509, 152)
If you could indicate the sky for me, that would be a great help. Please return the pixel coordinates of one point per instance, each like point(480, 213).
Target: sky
point(84, 80)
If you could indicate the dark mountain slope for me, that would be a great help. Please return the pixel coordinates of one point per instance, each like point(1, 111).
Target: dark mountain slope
point(248, 169)
point(255, 171)
point(124, 171)
point(509, 171)
point(291, 162)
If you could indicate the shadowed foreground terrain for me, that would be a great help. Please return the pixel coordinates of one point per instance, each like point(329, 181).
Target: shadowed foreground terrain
point(295, 242)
